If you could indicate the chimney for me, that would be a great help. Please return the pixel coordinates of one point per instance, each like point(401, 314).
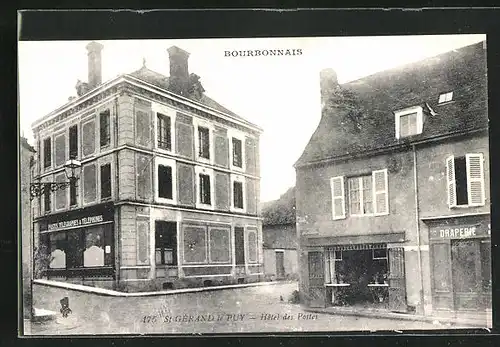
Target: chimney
point(179, 71)
point(94, 60)
point(328, 83)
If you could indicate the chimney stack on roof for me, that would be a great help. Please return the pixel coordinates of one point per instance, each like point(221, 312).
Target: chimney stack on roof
point(328, 83)
point(94, 64)
point(179, 70)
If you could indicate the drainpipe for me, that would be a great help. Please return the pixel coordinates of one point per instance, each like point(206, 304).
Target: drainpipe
point(417, 223)
point(116, 237)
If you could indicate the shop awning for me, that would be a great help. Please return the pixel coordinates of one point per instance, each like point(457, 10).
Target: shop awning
point(354, 240)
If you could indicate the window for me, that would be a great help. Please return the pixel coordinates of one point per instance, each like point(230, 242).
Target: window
point(237, 152)
point(105, 181)
point(72, 193)
point(465, 180)
point(204, 189)
point(57, 250)
point(47, 153)
point(104, 128)
point(409, 122)
point(166, 243)
point(203, 142)
point(238, 194)
point(73, 142)
point(47, 198)
point(164, 136)
point(379, 254)
point(445, 97)
point(93, 253)
point(165, 182)
point(337, 255)
point(368, 195)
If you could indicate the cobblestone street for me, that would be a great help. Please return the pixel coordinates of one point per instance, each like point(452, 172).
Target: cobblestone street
point(251, 309)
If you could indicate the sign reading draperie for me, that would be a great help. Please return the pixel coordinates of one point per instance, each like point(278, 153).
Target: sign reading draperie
point(459, 231)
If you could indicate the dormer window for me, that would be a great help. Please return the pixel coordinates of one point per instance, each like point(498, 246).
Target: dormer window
point(445, 97)
point(409, 122)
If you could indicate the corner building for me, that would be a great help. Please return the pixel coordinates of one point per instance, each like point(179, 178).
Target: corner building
point(393, 190)
point(169, 191)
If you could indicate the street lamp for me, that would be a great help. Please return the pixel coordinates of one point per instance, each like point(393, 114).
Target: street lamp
point(72, 169)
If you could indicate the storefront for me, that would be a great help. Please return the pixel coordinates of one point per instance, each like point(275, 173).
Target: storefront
point(79, 243)
point(460, 255)
point(369, 275)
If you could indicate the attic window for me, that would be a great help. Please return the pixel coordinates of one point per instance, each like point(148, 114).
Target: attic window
point(409, 122)
point(445, 97)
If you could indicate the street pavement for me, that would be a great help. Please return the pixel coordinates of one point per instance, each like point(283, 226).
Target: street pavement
point(256, 309)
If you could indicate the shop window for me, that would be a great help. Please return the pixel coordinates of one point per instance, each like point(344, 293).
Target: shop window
point(204, 189)
point(252, 247)
point(47, 153)
point(60, 149)
point(104, 128)
point(105, 181)
point(73, 142)
point(166, 243)
point(203, 142)
point(165, 182)
point(57, 250)
point(219, 245)
point(237, 152)
point(88, 138)
point(239, 233)
point(93, 254)
point(74, 249)
point(164, 132)
point(465, 179)
point(89, 183)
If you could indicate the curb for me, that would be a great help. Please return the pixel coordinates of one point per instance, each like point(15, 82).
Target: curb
point(114, 293)
point(399, 316)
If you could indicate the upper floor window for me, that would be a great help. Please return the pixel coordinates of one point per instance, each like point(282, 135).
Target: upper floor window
point(368, 195)
point(165, 180)
point(409, 122)
point(204, 142)
point(238, 194)
point(164, 132)
point(445, 97)
point(237, 152)
point(465, 179)
point(105, 181)
point(47, 152)
point(104, 126)
point(204, 189)
point(73, 142)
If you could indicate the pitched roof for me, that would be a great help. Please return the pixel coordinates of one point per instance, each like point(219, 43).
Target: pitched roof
point(359, 115)
point(162, 81)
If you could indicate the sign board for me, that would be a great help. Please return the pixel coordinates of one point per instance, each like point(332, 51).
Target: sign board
point(459, 231)
point(85, 217)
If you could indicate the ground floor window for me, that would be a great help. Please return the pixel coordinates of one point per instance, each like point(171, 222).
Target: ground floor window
point(166, 243)
point(81, 248)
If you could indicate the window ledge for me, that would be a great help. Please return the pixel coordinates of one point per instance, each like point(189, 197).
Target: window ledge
point(446, 103)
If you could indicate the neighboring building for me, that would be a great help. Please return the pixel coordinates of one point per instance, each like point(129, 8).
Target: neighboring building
point(26, 152)
point(393, 190)
point(169, 189)
point(279, 235)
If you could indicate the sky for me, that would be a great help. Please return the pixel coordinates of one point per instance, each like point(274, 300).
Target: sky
point(279, 93)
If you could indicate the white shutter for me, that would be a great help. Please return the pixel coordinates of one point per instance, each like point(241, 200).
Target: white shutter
point(380, 192)
point(338, 200)
point(475, 179)
point(450, 179)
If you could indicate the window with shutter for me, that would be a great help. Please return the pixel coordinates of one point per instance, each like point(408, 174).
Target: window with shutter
point(475, 179)
point(380, 192)
point(338, 200)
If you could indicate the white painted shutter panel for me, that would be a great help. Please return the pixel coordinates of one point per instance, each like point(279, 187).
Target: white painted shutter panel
point(338, 199)
point(475, 179)
point(450, 179)
point(380, 192)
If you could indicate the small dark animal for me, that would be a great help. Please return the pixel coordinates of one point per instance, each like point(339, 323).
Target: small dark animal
point(281, 298)
point(65, 310)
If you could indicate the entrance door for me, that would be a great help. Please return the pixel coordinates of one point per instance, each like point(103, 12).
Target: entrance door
point(316, 280)
point(397, 283)
point(280, 264)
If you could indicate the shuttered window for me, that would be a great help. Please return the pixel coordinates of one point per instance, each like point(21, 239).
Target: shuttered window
point(338, 200)
point(465, 180)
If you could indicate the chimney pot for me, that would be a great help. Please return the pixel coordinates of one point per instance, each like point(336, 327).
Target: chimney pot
point(94, 64)
point(328, 83)
point(179, 70)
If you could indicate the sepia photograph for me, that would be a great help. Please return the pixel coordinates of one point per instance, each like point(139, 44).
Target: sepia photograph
point(254, 185)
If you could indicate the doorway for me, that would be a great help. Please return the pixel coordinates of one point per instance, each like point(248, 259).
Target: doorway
point(280, 264)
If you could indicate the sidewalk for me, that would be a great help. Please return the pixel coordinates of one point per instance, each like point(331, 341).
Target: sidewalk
point(473, 320)
point(109, 292)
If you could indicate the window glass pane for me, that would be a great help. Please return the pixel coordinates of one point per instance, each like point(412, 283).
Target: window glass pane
point(463, 254)
point(238, 194)
point(203, 137)
point(440, 269)
point(93, 254)
point(412, 123)
point(73, 193)
point(165, 182)
point(105, 181)
point(461, 180)
point(104, 128)
point(485, 249)
point(164, 135)
point(74, 249)
point(158, 256)
point(403, 126)
point(57, 250)
point(205, 189)
point(367, 195)
point(237, 153)
point(47, 154)
point(46, 198)
point(168, 255)
point(73, 142)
